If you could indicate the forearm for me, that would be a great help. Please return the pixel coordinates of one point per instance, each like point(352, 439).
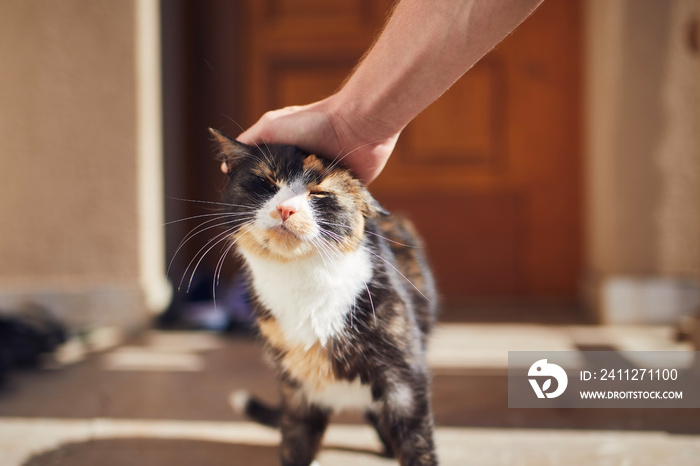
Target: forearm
point(425, 47)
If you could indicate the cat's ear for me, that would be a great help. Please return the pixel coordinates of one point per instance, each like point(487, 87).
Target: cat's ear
point(373, 208)
point(230, 151)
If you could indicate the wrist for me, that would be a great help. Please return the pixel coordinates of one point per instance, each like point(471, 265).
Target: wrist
point(355, 119)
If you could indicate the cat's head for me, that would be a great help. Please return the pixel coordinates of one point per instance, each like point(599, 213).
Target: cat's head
point(288, 204)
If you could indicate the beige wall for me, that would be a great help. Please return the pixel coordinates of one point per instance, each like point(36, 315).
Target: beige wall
point(643, 252)
point(73, 161)
point(677, 154)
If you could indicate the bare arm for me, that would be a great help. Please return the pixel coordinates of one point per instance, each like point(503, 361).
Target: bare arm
point(424, 48)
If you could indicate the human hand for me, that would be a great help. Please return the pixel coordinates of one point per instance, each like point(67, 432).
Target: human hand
point(320, 128)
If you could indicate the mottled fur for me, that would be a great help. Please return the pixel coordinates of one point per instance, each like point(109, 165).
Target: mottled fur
point(307, 226)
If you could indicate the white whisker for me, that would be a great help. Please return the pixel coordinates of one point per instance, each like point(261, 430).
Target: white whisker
point(371, 303)
point(220, 263)
point(198, 230)
point(370, 233)
point(320, 248)
point(217, 214)
point(216, 240)
point(338, 238)
point(196, 201)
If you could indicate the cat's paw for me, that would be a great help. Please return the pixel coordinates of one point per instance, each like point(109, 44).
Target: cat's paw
point(238, 400)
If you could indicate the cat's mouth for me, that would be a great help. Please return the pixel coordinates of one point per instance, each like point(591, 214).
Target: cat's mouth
point(298, 227)
point(281, 242)
point(284, 237)
point(291, 234)
point(286, 232)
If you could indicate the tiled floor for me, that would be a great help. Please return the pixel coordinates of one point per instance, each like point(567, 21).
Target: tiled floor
point(163, 400)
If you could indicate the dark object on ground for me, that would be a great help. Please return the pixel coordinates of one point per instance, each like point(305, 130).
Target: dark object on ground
point(228, 312)
point(27, 335)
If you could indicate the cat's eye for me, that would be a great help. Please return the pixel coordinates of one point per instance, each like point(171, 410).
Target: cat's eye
point(317, 192)
point(269, 181)
point(263, 185)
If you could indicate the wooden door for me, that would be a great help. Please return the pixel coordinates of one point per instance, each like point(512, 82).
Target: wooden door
point(490, 173)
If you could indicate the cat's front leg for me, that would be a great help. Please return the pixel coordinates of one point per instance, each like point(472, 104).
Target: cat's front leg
point(383, 432)
point(414, 442)
point(406, 416)
point(302, 426)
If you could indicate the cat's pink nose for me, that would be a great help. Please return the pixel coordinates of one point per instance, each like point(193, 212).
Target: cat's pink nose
point(286, 211)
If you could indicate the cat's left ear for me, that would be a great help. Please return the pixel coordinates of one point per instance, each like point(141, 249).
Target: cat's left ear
point(231, 152)
point(373, 208)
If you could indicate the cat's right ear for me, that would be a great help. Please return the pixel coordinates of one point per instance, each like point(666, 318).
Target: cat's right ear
point(231, 152)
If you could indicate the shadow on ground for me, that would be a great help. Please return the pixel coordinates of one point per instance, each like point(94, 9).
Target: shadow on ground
point(118, 452)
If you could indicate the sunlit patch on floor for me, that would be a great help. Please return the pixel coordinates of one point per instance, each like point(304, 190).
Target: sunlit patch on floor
point(183, 341)
point(81, 344)
point(480, 346)
point(131, 358)
point(163, 351)
point(486, 346)
point(345, 445)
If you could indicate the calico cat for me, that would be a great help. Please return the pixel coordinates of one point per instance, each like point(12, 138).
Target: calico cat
point(343, 296)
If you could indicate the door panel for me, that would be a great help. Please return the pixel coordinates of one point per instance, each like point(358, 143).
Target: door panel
point(293, 84)
point(466, 126)
point(483, 258)
point(490, 173)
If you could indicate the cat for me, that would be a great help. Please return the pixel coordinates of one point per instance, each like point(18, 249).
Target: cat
point(343, 296)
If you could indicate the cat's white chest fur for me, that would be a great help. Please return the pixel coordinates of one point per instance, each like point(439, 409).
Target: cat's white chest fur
point(311, 297)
